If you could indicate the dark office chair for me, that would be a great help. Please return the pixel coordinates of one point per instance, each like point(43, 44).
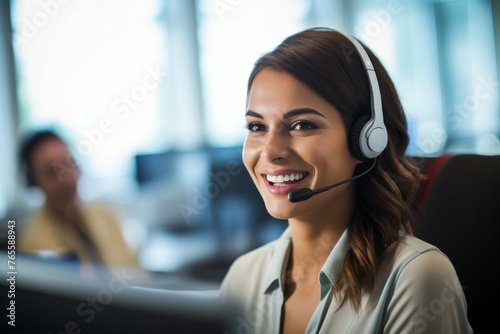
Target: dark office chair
point(461, 215)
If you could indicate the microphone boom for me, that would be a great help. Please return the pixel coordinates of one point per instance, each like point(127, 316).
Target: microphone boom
point(300, 195)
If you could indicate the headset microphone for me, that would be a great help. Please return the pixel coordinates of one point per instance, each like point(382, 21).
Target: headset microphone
point(300, 195)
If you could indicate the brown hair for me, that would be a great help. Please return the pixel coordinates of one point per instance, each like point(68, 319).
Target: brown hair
point(328, 63)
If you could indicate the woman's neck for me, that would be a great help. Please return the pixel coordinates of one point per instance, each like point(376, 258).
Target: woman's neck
point(315, 236)
point(311, 248)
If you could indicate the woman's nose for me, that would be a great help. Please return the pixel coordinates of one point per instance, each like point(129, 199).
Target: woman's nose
point(276, 146)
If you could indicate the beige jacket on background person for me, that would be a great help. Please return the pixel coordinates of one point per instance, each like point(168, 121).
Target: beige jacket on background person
point(45, 232)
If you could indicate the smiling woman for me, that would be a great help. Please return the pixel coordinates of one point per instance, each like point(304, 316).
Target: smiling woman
point(348, 261)
point(283, 130)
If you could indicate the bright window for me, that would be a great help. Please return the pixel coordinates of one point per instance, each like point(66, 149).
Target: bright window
point(94, 70)
point(232, 36)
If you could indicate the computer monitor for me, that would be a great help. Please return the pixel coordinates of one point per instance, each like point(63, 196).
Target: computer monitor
point(56, 298)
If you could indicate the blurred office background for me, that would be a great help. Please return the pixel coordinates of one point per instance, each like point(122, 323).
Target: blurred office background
point(151, 96)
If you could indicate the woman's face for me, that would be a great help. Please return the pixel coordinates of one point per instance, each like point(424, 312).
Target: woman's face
point(54, 171)
point(296, 139)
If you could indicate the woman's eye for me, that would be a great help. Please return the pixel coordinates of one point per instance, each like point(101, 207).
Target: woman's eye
point(302, 125)
point(255, 127)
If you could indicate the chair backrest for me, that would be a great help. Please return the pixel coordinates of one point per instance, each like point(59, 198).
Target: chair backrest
point(461, 216)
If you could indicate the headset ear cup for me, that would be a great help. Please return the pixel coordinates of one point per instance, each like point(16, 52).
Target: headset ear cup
point(354, 137)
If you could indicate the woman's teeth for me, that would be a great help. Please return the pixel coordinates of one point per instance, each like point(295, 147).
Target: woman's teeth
point(284, 178)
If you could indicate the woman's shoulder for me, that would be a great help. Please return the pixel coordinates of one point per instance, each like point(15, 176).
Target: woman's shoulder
point(245, 278)
point(255, 259)
point(415, 261)
point(410, 247)
point(420, 258)
point(413, 243)
point(424, 291)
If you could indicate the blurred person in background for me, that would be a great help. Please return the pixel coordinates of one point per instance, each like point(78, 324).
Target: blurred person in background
point(64, 226)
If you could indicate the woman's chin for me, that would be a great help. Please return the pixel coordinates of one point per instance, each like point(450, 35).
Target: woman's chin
point(279, 212)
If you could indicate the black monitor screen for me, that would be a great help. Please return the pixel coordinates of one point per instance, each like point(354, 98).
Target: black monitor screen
point(51, 299)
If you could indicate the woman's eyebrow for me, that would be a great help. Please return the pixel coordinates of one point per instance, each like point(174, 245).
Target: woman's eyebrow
point(253, 114)
point(289, 114)
point(301, 111)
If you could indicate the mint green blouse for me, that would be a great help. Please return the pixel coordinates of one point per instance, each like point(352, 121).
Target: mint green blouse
point(416, 290)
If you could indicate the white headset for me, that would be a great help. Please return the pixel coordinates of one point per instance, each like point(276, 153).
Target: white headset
point(368, 135)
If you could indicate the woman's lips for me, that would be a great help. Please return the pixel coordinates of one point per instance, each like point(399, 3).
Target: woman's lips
point(282, 182)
